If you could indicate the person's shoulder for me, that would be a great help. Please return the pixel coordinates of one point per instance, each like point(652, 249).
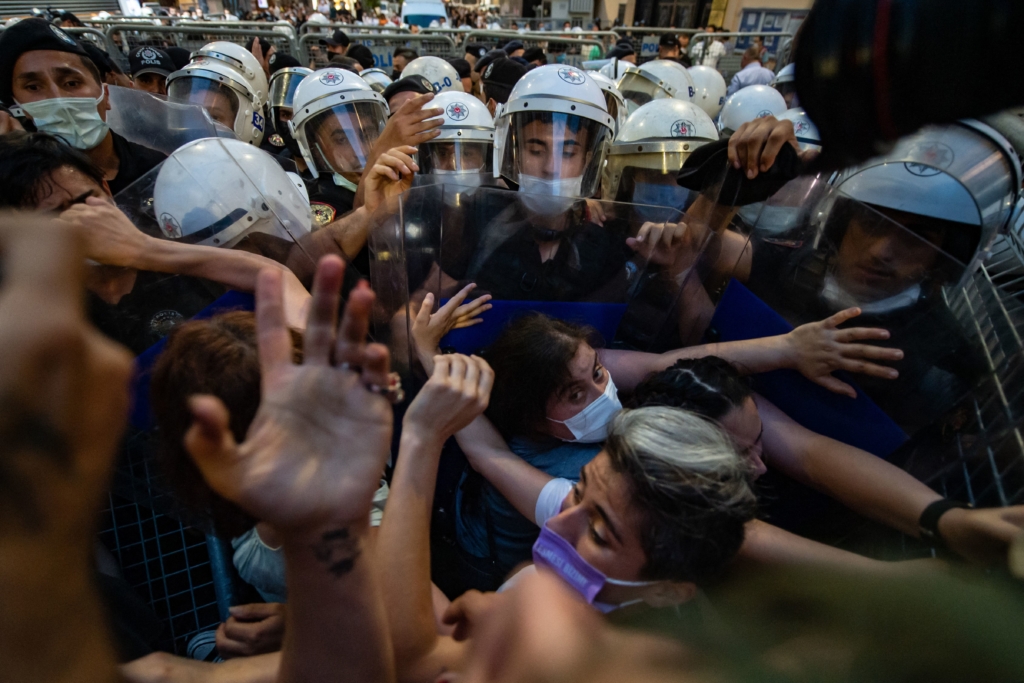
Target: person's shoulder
point(136, 150)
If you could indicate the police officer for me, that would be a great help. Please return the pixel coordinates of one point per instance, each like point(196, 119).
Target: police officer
point(49, 76)
point(150, 67)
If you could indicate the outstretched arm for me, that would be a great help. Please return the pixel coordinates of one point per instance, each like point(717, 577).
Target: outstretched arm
point(111, 239)
point(815, 350)
point(458, 391)
point(310, 467)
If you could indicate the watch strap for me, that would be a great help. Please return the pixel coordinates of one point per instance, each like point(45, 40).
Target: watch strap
point(928, 523)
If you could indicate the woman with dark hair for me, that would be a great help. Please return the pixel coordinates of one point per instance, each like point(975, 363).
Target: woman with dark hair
point(866, 484)
point(555, 394)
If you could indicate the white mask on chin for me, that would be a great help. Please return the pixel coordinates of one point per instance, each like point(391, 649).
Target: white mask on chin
point(549, 197)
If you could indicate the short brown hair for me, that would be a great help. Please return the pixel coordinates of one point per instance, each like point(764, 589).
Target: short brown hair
point(216, 356)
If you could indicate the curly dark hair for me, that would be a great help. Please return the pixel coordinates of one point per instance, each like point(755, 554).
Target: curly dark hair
point(708, 386)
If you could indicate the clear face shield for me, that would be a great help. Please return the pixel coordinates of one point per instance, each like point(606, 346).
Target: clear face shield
point(631, 294)
point(554, 154)
point(283, 87)
point(152, 121)
point(219, 101)
point(446, 157)
point(341, 137)
point(637, 89)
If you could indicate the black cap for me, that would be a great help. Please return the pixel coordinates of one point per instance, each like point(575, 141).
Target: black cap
point(25, 36)
point(482, 63)
point(709, 163)
point(535, 54)
point(478, 50)
point(100, 58)
point(462, 66)
point(417, 84)
point(338, 39)
point(620, 51)
point(503, 72)
point(513, 45)
point(668, 40)
point(150, 60)
point(179, 55)
point(361, 54)
point(279, 61)
point(344, 62)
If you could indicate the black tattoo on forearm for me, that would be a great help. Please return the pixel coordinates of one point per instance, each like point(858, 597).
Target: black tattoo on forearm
point(338, 551)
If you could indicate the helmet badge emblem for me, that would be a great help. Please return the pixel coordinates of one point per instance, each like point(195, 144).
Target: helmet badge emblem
point(331, 78)
point(571, 75)
point(457, 111)
point(932, 157)
point(682, 129)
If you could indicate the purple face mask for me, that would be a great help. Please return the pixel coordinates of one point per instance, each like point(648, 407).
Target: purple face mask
point(557, 554)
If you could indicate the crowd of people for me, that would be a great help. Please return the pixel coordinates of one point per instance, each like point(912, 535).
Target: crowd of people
point(505, 384)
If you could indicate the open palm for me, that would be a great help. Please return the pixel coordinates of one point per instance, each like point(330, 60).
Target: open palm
point(320, 439)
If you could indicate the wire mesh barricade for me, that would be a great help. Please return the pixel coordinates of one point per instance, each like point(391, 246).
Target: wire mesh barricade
point(129, 36)
point(310, 27)
point(102, 41)
point(560, 49)
point(382, 45)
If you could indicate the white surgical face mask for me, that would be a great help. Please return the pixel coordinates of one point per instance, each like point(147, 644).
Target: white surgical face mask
point(590, 425)
point(342, 181)
point(549, 197)
point(76, 120)
point(464, 182)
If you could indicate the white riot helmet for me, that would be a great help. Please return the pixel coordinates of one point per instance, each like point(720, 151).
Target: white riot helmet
point(318, 19)
point(963, 177)
point(752, 102)
point(441, 74)
point(227, 81)
point(710, 88)
point(650, 149)
point(658, 79)
point(464, 151)
point(614, 69)
point(378, 79)
point(612, 98)
point(806, 132)
point(785, 83)
point(336, 119)
point(553, 134)
point(216, 191)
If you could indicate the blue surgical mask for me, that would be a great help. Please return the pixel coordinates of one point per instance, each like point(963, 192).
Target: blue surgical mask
point(656, 194)
point(76, 120)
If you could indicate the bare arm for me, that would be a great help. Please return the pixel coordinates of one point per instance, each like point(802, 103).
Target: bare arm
point(815, 350)
point(862, 482)
point(517, 480)
point(770, 545)
point(456, 393)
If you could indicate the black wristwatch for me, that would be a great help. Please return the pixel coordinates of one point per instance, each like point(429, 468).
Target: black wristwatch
point(928, 524)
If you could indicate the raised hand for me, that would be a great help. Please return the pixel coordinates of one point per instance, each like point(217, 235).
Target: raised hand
point(390, 176)
point(320, 439)
point(412, 124)
point(457, 393)
point(818, 349)
point(251, 630)
point(658, 242)
point(754, 147)
point(110, 238)
point(428, 328)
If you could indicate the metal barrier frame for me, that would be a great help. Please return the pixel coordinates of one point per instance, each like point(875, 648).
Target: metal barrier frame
point(308, 38)
point(357, 28)
point(112, 49)
point(199, 31)
point(536, 36)
point(703, 36)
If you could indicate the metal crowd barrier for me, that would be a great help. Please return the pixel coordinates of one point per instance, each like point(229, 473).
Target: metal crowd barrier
point(382, 46)
point(357, 28)
point(572, 49)
point(129, 36)
point(102, 41)
point(729, 64)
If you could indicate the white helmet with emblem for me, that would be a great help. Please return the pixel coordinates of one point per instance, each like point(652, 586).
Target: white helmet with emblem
point(464, 150)
point(613, 98)
point(964, 176)
point(441, 74)
point(553, 133)
point(806, 132)
point(785, 83)
point(752, 102)
point(658, 79)
point(710, 88)
point(216, 191)
point(651, 148)
point(227, 81)
point(336, 118)
point(377, 79)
